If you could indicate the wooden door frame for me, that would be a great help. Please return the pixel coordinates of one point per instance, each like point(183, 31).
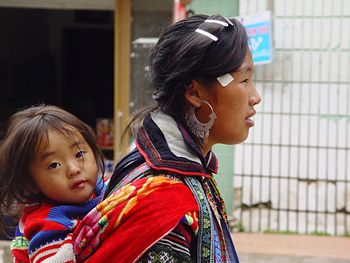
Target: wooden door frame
point(122, 23)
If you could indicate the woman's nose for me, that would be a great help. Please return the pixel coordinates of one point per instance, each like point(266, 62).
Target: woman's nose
point(255, 98)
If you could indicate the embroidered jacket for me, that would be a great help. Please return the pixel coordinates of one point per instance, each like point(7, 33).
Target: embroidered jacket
point(198, 230)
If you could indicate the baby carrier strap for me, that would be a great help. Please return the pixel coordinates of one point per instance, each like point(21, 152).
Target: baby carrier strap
point(126, 165)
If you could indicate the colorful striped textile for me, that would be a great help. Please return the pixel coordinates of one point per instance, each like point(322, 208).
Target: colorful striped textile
point(133, 218)
point(45, 230)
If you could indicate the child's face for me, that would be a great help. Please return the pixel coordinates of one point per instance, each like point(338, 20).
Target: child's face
point(65, 170)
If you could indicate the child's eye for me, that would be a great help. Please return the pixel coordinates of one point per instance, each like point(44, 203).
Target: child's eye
point(80, 154)
point(54, 165)
point(245, 81)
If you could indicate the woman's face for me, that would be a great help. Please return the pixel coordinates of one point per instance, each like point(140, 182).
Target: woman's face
point(233, 105)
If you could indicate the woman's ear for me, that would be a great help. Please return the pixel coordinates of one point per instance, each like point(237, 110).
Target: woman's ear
point(192, 94)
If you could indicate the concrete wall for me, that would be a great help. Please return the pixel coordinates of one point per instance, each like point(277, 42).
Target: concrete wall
point(148, 20)
point(5, 253)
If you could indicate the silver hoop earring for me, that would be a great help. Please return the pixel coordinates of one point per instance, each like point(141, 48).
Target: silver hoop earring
point(201, 130)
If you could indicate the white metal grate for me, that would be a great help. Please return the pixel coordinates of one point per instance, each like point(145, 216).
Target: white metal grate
point(293, 173)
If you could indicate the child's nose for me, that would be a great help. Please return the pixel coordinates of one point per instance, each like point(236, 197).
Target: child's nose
point(73, 169)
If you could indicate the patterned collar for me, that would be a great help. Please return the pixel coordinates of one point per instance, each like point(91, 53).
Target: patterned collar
point(167, 145)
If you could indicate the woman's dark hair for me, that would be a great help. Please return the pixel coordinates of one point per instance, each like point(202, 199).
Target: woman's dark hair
point(182, 55)
point(28, 130)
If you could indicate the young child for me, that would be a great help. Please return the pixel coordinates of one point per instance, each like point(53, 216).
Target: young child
point(51, 167)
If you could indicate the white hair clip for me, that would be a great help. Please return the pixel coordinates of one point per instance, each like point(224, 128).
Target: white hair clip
point(205, 33)
point(225, 79)
point(228, 20)
point(216, 22)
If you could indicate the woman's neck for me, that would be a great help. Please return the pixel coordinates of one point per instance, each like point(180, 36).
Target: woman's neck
point(206, 148)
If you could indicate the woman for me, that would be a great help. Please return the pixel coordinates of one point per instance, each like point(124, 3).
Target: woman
point(202, 72)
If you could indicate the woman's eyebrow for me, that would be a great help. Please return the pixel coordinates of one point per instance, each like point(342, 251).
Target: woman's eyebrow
point(246, 69)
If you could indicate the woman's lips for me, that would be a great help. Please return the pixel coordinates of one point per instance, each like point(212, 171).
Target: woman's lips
point(248, 120)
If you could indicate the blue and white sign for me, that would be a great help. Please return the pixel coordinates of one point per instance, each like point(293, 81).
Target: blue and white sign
point(258, 28)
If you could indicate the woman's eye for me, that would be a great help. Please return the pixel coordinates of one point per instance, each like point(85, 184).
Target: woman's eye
point(54, 165)
point(80, 154)
point(245, 81)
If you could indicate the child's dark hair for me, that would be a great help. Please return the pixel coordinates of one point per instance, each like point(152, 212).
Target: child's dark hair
point(182, 55)
point(27, 130)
